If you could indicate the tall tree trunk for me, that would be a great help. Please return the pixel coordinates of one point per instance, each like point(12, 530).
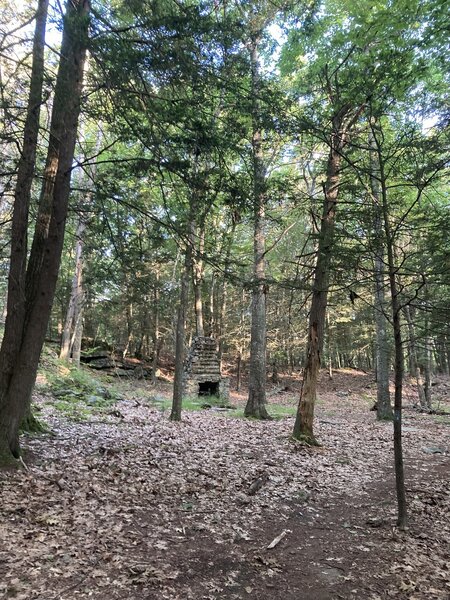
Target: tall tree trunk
point(238, 370)
point(329, 350)
point(15, 305)
point(180, 336)
point(399, 362)
point(73, 326)
point(76, 340)
point(45, 256)
point(198, 238)
point(129, 318)
point(398, 347)
point(223, 299)
point(77, 336)
point(428, 352)
point(212, 308)
point(303, 428)
point(427, 373)
point(76, 297)
point(155, 333)
point(256, 403)
point(343, 120)
point(384, 408)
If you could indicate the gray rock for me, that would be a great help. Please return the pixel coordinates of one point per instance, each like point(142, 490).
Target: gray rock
point(121, 373)
point(102, 363)
point(94, 400)
point(68, 392)
point(434, 450)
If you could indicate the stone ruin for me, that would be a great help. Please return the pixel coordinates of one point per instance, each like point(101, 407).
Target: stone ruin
point(202, 376)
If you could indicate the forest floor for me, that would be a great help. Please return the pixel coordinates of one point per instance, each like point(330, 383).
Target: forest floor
point(119, 503)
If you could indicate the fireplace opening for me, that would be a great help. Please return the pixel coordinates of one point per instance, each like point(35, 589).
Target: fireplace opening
point(208, 388)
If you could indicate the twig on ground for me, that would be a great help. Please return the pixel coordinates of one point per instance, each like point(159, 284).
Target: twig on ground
point(278, 539)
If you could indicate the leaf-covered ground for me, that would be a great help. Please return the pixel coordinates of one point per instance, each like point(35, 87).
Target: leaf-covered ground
point(127, 505)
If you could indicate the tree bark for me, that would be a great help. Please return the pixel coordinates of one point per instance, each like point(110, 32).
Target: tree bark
point(384, 408)
point(238, 370)
point(213, 318)
point(180, 337)
point(428, 353)
point(63, 128)
point(130, 336)
point(73, 326)
point(76, 298)
point(198, 232)
point(256, 403)
point(427, 370)
point(398, 347)
point(45, 256)
point(77, 336)
point(223, 300)
point(15, 305)
point(344, 117)
point(155, 333)
point(303, 427)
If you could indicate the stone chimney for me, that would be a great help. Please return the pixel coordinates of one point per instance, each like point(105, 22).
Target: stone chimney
point(202, 375)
